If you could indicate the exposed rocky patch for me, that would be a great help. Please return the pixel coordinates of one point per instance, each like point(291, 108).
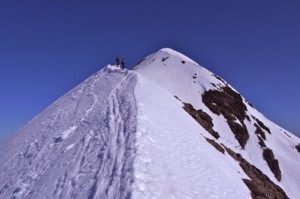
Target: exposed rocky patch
point(219, 78)
point(260, 132)
point(164, 59)
point(260, 185)
point(261, 142)
point(183, 62)
point(202, 118)
point(268, 153)
point(261, 136)
point(262, 125)
point(214, 85)
point(240, 132)
point(216, 145)
point(230, 104)
point(298, 148)
point(217, 86)
point(272, 163)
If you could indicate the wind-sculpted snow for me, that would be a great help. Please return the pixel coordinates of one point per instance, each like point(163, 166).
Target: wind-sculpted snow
point(82, 146)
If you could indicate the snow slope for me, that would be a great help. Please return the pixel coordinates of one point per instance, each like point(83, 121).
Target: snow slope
point(82, 146)
point(173, 158)
point(178, 75)
point(123, 134)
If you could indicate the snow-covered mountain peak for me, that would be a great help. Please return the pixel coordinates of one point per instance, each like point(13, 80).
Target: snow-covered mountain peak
point(170, 51)
point(224, 113)
point(165, 54)
point(173, 53)
point(168, 128)
point(178, 75)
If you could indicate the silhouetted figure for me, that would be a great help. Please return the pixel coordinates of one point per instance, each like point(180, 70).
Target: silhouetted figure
point(123, 64)
point(118, 60)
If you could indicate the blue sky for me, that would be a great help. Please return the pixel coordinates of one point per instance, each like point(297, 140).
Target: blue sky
point(48, 47)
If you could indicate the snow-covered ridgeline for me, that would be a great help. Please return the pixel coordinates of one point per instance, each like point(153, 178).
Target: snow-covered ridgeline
point(82, 146)
point(125, 134)
point(173, 158)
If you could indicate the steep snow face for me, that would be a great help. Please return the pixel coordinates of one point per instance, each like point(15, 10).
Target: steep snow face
point(176, 75)
point(173, 158)
point(82, 146)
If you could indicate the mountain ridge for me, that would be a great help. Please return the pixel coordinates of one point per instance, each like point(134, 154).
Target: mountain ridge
point(215, 96)
point(163, 129)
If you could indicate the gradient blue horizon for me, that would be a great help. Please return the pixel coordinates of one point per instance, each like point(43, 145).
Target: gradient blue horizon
point(49, 47)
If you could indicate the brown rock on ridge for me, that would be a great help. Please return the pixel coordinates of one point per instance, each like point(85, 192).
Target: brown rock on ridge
point(272, 163)
point(262, 125)
point(261, 142)
point(268, 153)
point(202, 118)
point(230, 104)
point(260, 185)
point(216, 145)
point(260, 132)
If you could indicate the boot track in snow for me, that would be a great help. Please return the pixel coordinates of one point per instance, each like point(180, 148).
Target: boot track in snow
point(82, 146)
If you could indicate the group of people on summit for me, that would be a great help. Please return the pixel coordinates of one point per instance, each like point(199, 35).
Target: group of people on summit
point(122, 62)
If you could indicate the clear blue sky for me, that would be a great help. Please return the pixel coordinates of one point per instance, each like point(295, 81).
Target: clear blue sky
point(48, 47)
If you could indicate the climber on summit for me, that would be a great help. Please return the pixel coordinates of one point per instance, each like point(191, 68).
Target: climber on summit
point(123, 64)
point(118, 60)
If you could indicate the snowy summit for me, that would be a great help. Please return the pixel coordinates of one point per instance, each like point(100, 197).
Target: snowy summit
point(168, 128)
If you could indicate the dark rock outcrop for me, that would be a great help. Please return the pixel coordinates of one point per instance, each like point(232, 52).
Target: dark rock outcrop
point(261, 142)
point(164, 59)
point(298, 148)
point(202, 118)
point(219, 78)
point(268, 154)
point(216, 145)
point(262, 125)
point(260, 132)
point(260, 185)
point(230, 104)
point(272, 163)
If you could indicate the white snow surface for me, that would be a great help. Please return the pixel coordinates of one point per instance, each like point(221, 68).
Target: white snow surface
point(81, 146)
point(180, 76)
point(173, 158)
point(123, 134)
